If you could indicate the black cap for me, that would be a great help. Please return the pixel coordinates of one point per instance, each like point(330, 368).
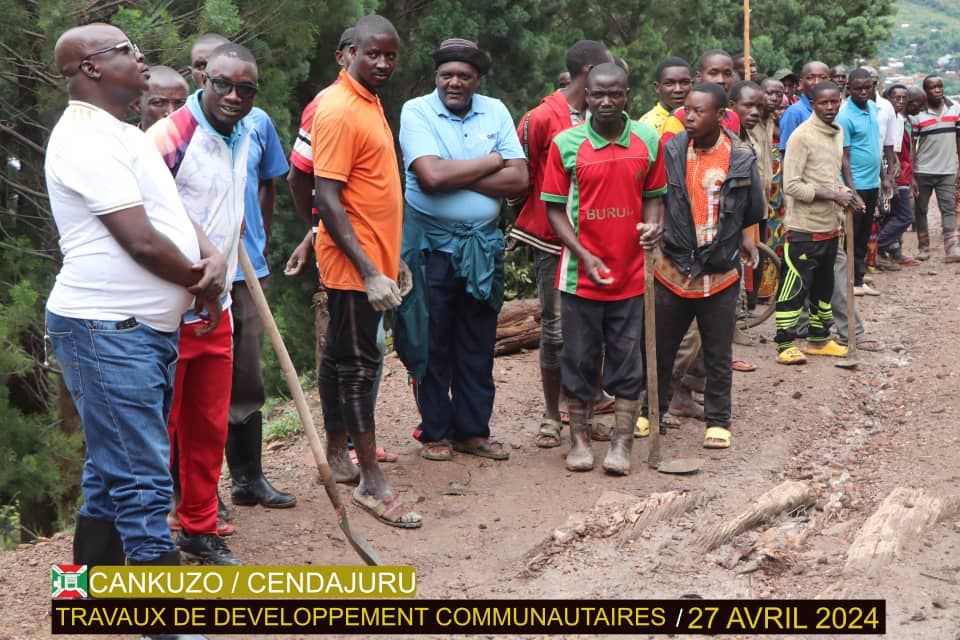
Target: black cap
point(461, 50)
point(346, 38)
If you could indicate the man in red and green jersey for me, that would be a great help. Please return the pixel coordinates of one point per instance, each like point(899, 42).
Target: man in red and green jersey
point(560, 110)
point(603, 185)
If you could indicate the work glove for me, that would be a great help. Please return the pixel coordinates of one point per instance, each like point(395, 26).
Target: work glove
point(382, 292)
point(405, 279)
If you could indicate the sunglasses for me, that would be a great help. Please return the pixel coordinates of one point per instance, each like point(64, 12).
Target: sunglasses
point(223, 87)
point(132, 49)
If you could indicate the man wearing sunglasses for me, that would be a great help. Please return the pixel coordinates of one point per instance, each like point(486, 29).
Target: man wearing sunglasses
point(205, 145)
point(132, 265)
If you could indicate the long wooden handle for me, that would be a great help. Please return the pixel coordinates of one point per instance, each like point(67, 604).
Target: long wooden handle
point(650, 340)
point(851, 299)
point(355, 538)
point(289, 374)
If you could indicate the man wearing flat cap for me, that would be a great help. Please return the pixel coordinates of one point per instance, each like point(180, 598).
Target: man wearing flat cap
point(462, 157)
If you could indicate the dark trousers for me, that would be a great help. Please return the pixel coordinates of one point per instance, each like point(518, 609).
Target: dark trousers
point(247, 394)
point(945, 189)
point(614, 328)
point(349, 364)
point(862, 227)
point(808, 272)
point(455, 396)
point(715, 316)
point(900, 219)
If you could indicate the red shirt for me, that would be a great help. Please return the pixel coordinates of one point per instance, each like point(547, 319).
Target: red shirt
point(906, 163)
point(674, 123)
point(603, 185)
point(536, 131)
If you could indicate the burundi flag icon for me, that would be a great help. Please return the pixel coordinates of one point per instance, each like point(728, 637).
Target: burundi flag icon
point(69, 580)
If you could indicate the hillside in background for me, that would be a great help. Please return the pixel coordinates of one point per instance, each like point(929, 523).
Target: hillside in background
point(925, 36)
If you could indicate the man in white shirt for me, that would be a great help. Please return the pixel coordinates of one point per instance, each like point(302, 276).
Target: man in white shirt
point(890, 136)
point(131, 266)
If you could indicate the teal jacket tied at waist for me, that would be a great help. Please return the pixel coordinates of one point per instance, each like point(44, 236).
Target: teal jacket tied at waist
point(477, 257)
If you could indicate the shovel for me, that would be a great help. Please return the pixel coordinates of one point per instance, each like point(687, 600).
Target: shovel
point(852, 359)
point(356, 540)
point(654, 460)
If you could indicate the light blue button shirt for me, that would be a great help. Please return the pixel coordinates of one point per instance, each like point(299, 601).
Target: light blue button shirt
point(427, 128)
point(861, 132)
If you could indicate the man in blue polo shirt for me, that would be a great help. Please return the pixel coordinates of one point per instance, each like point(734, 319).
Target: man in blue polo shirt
point(798, 113)
point(462, 156)
point(861, 154)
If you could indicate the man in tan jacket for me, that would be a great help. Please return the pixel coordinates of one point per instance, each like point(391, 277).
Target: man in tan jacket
point(815, 200)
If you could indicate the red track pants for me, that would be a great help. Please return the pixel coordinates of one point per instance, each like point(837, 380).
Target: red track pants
point(198, 421)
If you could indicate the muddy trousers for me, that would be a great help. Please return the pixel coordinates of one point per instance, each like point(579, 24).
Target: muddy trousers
point(808, 271)
point(349, 364)
point(592, 325)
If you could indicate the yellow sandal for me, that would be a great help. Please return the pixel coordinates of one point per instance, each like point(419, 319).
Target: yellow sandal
point(642, 428)
point(717, 438)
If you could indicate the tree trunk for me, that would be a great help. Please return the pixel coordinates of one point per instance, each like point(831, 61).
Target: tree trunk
point(518, 327)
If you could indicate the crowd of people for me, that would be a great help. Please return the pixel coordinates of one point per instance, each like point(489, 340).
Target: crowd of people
point(159, 341)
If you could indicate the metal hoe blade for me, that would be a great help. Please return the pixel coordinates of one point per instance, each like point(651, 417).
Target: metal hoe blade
point(681, 465)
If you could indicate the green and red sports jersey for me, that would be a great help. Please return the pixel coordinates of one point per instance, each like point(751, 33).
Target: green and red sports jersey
point(603, 185)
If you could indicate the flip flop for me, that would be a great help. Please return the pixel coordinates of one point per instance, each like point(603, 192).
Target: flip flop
point(390, 510)
point(742, 365)
point(382, 455)
point(717, 438)
point(439, 445)
point(492, 450)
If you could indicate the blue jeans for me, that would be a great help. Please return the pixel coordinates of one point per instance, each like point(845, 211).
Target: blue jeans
point(121, 381)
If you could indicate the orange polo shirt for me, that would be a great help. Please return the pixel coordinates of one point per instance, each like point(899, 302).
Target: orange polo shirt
point(352, 143)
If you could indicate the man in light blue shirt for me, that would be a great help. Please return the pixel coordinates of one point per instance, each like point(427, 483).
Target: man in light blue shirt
point(798, 113)
point(462, 156)
point(861, 155)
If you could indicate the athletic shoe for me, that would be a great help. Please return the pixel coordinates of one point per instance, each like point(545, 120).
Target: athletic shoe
point(208, 548)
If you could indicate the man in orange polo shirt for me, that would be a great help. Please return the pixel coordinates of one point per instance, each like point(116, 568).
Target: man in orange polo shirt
point(358, 197)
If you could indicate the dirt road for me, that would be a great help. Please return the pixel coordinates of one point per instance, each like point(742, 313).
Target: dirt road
point(527, 528)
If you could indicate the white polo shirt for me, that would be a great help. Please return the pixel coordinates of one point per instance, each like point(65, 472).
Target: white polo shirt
point(891, 131)
point(96, 165)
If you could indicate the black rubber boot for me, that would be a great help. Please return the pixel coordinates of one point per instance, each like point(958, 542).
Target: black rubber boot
point(250, 487)
point(97, 543)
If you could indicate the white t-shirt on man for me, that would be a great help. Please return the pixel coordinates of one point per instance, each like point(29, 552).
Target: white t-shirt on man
point(97, 165)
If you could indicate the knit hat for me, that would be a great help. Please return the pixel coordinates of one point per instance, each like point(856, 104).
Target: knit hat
point(461, 50)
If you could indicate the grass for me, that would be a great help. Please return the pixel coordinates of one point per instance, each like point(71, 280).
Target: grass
point(283, 426)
